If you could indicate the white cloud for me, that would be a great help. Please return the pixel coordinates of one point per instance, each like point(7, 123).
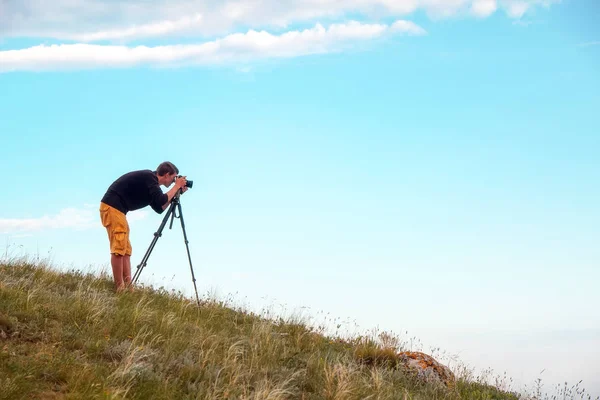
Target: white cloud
point(94, 20)
point(484, 8)
point(136, 215)
point(408, 27)
point(516, 9)
point(73, 218)
point(237, 47)
point(440, 9)
point(160, 28)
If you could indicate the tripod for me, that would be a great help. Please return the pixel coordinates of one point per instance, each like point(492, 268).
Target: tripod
point(175, 203)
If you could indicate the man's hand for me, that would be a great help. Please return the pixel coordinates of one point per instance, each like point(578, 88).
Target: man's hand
point(179, 185)
point(180, 182)
point(183, 186)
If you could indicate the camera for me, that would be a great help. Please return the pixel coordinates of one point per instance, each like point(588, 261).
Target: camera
point(188, 183)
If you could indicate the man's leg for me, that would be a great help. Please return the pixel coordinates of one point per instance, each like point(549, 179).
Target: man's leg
point(127, 271)
point(117, 263)
point(127, 262)
point(118, 235)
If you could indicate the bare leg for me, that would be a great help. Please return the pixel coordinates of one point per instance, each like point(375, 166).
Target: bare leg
point(127, 271)
point(117, 267)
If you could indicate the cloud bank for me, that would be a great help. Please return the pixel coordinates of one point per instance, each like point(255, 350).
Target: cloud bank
point(72, 218)
point(97, 20)
point(110, 33)
point(238, 47)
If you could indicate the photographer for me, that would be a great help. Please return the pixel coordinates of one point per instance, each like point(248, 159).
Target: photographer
point(132, 191)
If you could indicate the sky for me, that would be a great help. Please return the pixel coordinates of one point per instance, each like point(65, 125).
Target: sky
point(423, 167)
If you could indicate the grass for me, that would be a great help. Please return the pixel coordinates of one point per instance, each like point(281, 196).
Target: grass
point(67, 335)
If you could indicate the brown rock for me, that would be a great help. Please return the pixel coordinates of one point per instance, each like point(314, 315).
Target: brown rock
point(427, 368)
point(5, 327)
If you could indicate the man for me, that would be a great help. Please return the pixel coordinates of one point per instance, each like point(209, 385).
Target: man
point(132, 191)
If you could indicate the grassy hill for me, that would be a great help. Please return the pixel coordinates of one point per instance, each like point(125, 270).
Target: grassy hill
point(67, 335)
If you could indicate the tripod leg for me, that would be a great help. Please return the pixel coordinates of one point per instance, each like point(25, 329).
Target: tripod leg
point(188, 252)
point(157, 235)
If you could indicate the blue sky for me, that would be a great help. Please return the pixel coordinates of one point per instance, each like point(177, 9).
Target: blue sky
point(427, 168)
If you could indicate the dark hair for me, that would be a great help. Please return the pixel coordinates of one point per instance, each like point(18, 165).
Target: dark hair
point(166, 168)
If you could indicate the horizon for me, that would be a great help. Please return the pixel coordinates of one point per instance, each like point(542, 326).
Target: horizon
point(420, 167)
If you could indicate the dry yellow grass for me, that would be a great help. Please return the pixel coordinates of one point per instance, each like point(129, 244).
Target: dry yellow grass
point(67, 335)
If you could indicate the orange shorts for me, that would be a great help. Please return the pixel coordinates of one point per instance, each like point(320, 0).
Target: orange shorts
point(117, 228)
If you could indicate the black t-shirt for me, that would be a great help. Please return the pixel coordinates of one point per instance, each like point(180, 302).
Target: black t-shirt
point(135, 190)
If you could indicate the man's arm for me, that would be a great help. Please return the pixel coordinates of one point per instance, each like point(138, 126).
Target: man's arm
point(179, 184)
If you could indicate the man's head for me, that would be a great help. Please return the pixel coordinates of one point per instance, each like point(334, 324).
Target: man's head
point(166, 172)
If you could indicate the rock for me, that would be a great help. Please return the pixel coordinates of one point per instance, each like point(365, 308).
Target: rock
point(5, 327)
point(427, 368)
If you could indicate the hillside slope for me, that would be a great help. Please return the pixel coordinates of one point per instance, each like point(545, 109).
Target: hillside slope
point(68, 335)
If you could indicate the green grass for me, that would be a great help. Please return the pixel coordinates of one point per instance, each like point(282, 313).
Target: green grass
point(67, 335)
